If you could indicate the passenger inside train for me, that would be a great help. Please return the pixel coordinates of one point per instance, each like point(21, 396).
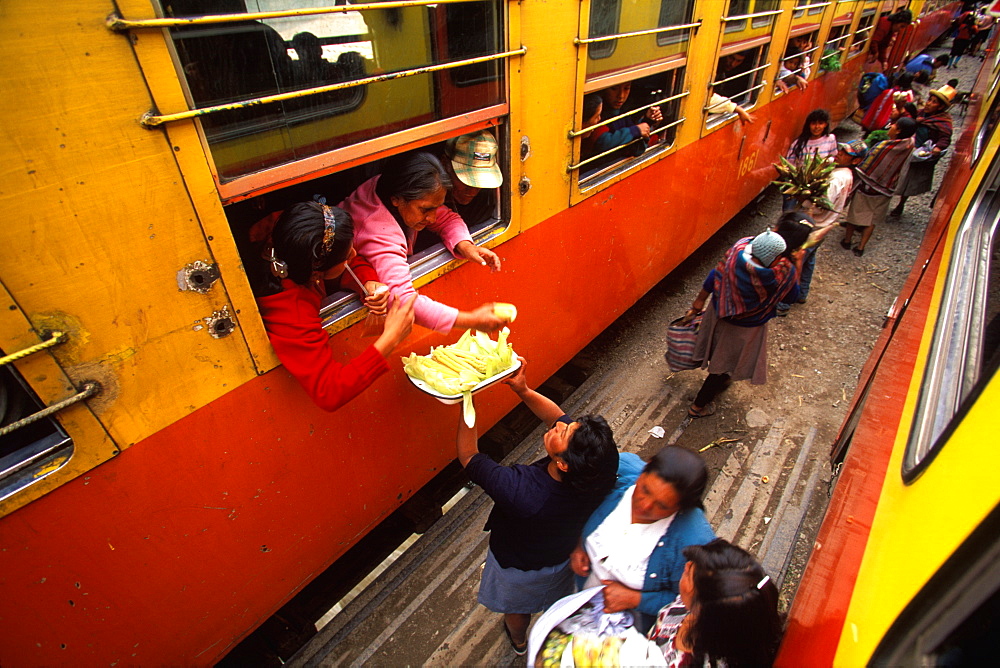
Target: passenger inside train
point(390, 209)
point(310, 245)
point(796, 64)
point(624, 131)
point(732, 89)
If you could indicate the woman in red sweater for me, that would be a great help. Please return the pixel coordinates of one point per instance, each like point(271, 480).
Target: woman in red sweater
point(311, 244)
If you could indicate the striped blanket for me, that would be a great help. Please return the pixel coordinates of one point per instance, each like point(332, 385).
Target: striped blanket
point(884, 166)
point(743, 290)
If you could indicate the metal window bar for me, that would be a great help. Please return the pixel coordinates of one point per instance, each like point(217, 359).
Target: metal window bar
point(119, 24)
point(748, 90)
point(573, 168)
point(815, 5)
point(741, 74)
point(631, 112)
point(654, 31)
point(54, 338)
point(89, 390)
point(743, 17)
point(150, 119)
point(800, 53)
point(839, 39)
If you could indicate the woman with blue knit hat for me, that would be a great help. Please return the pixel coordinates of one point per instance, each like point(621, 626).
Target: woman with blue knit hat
point(746, 286)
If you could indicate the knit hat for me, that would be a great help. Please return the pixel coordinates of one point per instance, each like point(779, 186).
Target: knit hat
point(945, 93)
point(767, 246)
point(474, 159)
point(855, 148)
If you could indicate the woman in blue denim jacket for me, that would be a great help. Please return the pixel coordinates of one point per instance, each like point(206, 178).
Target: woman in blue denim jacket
point(633, 542)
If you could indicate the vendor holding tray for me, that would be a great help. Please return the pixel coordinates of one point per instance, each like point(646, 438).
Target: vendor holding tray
point(539, 509)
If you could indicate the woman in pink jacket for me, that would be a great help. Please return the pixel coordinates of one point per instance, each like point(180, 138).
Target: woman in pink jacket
point(389, 210)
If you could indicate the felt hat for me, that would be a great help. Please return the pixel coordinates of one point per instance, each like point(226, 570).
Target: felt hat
point(474, 159)
point(945, 93)
point(855, 148)
point(767, 246)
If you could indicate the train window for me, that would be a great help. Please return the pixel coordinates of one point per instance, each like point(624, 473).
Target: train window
point(238, 61)
point(797, 61)
point(833, 49)
point(649, 31)
point(965, 350)
point(738, 80)
point(252, 219)
point(27, 448)
point(760, 13)
point(865, 27)
point(811, 6)
point(989, 125)
point(621, 127)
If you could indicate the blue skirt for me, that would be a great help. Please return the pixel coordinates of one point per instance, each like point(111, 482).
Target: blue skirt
point(509, 590)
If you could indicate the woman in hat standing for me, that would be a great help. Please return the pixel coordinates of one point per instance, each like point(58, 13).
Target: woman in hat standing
point(934, 124)
point(746, 286)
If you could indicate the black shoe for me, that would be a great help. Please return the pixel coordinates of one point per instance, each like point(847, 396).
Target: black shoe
point(859, 251)
point(846, 245)
point(521, 649)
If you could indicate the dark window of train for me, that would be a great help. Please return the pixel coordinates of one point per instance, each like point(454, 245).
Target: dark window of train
point(737, 78)
point(25, 450)
point(233, 62)
point(603, 22)
point(974, 641)
point(645, 91)
point(764, 6)
point(833, 50)
point(465, 26)
point(989, 125)
point(674, 13)
point(863, 32)
point(798, 58)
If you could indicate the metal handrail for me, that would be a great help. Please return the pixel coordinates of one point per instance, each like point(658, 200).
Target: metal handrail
point(55, 338)
point(653, 31)
point(743, 92)
point(743, 17)
point(119, 24)
point(816, 5)
point(150, 119)
point(839, 39)
point(631, 112)
point(89, 390)
point(800, 53)
point(572, 168)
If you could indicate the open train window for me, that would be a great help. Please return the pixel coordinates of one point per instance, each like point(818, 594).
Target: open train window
point(232, 63)
point(833, 50)
point(739, 77)
point(989, 126)
point(27, 451)
point(486, 215)
point(797, 61)
point(864, 30)
point(965, 349)
point(619, 129)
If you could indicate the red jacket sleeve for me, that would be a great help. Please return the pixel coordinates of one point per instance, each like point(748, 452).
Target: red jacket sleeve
point(291, 318)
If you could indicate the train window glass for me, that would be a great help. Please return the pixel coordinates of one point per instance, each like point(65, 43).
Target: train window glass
point(622, 130)
point(738, 80)
point(225, 63)
point(988, 127)
point(964, 350)
point(27, 450)
point(833, 49)
point(760, 13)
point(865, 27)
point(603, 22)
point(797, 61)
point(973, 642)
point(631, 43)
point(811, 6)
point(251, 221)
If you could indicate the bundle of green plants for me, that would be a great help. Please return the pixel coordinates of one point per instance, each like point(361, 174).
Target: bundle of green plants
point(875, 136)
point(830, 62)
point(807, 180)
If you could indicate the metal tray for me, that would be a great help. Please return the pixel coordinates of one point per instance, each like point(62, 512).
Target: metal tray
point(457, 398)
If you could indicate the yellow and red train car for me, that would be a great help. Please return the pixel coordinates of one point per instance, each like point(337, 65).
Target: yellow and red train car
point(165, 485)
point(905, 570)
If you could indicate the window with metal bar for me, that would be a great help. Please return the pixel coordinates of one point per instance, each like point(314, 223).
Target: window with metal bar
point(865, 27)
point(833, 49)
point(378, 71)
point(628, 123)
point(624, 38)
point(738, 81)
point(796, 64)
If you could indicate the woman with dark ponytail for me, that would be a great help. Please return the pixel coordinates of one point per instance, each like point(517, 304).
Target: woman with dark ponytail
point(310, 245)
point(726, 613)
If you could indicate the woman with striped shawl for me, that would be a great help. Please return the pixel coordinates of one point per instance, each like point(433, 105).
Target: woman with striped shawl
point(746, 286)
point(878, 175)
point(934, 124)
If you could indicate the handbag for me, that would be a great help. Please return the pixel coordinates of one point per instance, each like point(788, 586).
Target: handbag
point(680, 344)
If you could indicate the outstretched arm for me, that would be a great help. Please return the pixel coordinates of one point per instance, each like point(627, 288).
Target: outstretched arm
point(544, 408)
point(467, 441)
